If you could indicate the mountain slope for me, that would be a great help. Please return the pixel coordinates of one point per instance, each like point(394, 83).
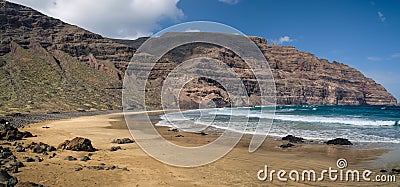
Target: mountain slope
point(48, 65)
point(36, 80)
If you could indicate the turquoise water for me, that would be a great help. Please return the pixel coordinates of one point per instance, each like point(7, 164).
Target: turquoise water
point(378, 124)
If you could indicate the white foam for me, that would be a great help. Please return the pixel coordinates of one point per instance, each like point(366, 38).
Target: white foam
point(358, 121)
point(194, 123)
point(338, 120)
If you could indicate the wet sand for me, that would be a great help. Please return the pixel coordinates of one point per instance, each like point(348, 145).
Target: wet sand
point(237, 168)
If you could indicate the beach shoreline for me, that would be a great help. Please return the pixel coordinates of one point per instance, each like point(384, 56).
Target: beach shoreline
point(238, 167)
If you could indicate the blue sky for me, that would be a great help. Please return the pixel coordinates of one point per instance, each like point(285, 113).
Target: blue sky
point(362, 34)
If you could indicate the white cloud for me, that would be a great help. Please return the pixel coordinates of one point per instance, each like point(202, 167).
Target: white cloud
point(395, 55)
point(192, 30)
point(231, 2)
point(374, 58)
point(116, 19)
point(381, 16)
point(372, 3)
point(283, 39)
point(391, 57)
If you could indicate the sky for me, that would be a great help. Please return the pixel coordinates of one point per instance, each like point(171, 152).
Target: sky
point(364, 34)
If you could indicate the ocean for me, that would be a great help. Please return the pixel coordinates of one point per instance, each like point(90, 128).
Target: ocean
point(375, 124)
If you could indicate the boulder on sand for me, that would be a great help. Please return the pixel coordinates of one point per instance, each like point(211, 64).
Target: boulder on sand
point(29, 184)
point(284, 146)
point(70, 158)
point(115, 148)
point(339, 141)
point(40, 147)
point(4, 122)
point(123, 141)
point(293, 139)
point(9, 132)
point(6, 179)
point(77, 144)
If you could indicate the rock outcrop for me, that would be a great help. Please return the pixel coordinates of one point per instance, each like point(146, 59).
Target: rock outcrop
point(80, 70)
point(339, 141)
point(6, 179)
point(9, 132)
point(293, 139)
point(123, 141)
point(40, 147)
point(77, 144)
point(302, 78)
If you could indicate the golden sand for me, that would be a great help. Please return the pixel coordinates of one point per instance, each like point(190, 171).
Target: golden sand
point(237, 168)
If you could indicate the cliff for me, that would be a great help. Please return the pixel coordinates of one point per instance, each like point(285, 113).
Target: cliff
point(300, 77)
point(44, 61)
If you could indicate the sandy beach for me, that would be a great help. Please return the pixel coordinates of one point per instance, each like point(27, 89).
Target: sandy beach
point(237, 168)
point(318, 79)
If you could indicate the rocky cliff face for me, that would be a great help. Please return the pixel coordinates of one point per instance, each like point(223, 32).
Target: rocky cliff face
point(301, 78)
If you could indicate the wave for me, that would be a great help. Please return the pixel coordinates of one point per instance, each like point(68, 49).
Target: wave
point(279, 132)
point(309, 118)
point(336, 120)
point(291, 121)
point(286, 110)
point(353, 138)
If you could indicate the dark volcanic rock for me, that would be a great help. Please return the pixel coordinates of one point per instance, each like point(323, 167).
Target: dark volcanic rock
point(29, 184)
point(14, 169)
point(99, 167)
point(78, 169)
point(102, 166)
point(339, 141)
point(52, 155)
point(284, 146)
point(85, 158)
point(8, 161)
point(173, 129)
point(4, 122)
point(17, 163)
point(293, 139)
point(19, 148)
point(37, 149)
point(396, 171)
point(70, 158)
point(123, 141)
point(5, 153)
point(28, 159)
point(10, 133)
point(6, 179)
point(115, 148)
point(40, 147)
point(77, 144)
point(111, 168)
point(38, 159)
point(202, 133)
